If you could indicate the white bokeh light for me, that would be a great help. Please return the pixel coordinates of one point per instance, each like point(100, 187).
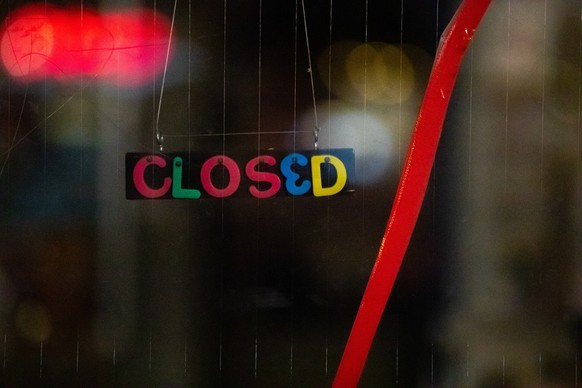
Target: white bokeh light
point(369, 133)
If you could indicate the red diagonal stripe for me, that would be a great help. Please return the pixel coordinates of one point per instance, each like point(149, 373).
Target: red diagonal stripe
point(411, 189)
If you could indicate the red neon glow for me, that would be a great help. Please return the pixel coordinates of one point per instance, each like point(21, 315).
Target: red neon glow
point(41, 41)
point(411, 189)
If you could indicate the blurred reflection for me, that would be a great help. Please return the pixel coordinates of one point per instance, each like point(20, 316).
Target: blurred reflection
point(33, 322)
point(101, 291)
point(377, 72)
point(515, 309)
point(43, 41)
point(371, 134)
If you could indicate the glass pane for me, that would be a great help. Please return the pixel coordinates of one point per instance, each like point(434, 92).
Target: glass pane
point(235, 290)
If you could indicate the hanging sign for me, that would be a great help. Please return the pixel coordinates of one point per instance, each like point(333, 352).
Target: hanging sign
point(184, 175)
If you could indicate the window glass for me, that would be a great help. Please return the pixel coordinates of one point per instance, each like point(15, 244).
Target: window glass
point(174, 209)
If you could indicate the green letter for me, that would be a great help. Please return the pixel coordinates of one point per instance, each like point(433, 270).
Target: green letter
point(177, 190)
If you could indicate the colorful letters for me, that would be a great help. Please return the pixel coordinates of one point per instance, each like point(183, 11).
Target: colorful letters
point(192, 176)
point(292, 177)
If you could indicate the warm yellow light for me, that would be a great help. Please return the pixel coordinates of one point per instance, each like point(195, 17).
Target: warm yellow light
point(33, 322)
point(380, 73)
point(376, 72)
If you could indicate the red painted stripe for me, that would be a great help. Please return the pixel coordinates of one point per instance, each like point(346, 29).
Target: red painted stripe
point(411, 189)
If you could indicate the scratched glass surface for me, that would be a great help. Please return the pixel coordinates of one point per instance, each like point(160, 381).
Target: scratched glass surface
point(98, 290)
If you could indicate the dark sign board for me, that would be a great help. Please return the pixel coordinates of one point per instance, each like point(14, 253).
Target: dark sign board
point(184, 175)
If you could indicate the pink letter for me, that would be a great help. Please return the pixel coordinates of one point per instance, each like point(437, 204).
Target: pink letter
point(138, 177)
point(261, 176)
point(233, 172)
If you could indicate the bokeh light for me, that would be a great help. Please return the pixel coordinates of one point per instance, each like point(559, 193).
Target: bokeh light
point(33, 321)
point(127, 47)
point(369, 133)
point(376, 72)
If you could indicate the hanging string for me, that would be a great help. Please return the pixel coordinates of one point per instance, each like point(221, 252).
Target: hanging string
point(507, 64)
point(159, 135)
point(224, 34)
point(295, 45)
point(258, 202)
point(329, 64)
point(310, 71)
point(400, 84)
point(222, 213)
point(543, 101)
point(189, 73)
point(293, 227)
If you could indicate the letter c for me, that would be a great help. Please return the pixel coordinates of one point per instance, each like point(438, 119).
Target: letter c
point(138, 177)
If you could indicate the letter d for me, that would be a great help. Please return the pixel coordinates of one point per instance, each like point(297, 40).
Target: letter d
point(342, 176)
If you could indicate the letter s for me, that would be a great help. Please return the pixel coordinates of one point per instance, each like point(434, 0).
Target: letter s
point(262, 176)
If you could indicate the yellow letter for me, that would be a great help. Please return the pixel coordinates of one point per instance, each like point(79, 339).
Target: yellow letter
point(342, 176)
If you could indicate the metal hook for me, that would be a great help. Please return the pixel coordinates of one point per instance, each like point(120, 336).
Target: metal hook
point(316, 137)
point(160, 140)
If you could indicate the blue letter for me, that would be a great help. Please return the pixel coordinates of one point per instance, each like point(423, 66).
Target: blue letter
point(292, 176)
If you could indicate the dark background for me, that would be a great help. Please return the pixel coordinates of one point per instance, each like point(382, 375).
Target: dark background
point(96, 290)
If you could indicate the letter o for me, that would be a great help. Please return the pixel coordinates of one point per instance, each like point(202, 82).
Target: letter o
point(233, 172)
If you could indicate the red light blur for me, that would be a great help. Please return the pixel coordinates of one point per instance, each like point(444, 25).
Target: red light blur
point(127, 47)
